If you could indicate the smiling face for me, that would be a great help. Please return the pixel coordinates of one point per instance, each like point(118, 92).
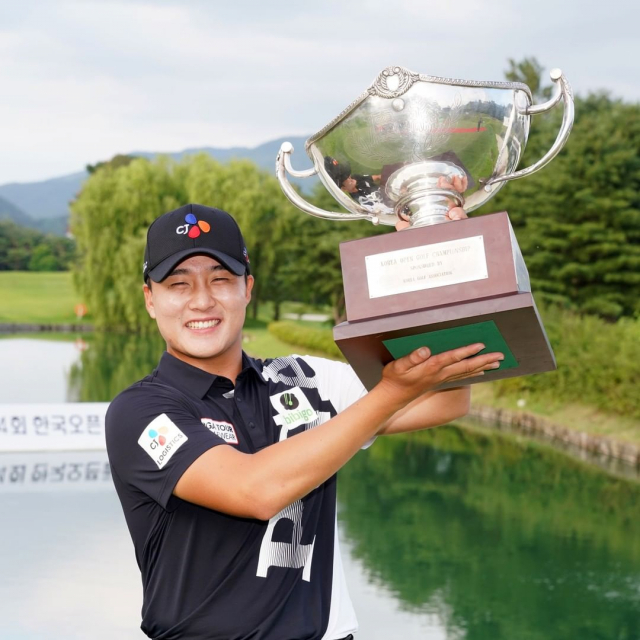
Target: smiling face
point(200, 310)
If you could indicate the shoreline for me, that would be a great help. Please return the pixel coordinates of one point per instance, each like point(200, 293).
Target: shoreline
point(530, 424)
point(22, 327)
point(526, 423)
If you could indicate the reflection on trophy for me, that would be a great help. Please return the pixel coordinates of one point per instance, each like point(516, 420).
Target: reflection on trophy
point(415, 148)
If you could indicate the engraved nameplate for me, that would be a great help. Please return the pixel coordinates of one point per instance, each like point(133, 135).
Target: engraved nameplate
point(426, 267)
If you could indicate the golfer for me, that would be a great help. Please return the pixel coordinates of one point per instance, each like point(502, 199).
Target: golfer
point(225, 465)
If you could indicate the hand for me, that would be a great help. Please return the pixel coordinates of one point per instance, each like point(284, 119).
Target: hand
point(409, 377)
point(457, 184)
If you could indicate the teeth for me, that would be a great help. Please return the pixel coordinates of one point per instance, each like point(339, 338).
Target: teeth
point(203, 325)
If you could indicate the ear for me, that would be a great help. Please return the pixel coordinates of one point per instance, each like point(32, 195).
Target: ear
point(250, 281)
point(148, 300)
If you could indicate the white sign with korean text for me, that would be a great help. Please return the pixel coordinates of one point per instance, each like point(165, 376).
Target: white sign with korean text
point(426, 267)
point(55, 471)
point(73, 426)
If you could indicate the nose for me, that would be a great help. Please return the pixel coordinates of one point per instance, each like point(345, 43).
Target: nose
point(202, 298)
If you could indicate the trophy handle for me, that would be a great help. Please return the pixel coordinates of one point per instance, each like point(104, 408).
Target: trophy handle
point(562, 92)
point(283, 166)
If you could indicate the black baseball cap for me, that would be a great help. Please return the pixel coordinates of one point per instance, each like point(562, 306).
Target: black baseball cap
point(193, 230)
point(338, 171)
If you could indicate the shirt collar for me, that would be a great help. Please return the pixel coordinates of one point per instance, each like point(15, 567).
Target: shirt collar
point(193, 380)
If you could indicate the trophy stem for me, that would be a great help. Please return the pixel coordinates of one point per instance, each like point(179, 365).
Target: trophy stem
point(423, 192)
point(422, 208)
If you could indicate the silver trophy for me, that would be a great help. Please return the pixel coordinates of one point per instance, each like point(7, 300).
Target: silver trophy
point(413, 147)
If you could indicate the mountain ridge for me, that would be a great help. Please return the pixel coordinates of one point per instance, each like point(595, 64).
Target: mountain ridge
point(48, 200)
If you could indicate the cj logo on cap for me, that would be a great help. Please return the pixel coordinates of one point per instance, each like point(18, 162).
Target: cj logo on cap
point(194, 227)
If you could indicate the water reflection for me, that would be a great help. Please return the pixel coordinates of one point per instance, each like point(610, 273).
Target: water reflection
point(499, 538)
point(111, 363)
point(36, 370)
point(450, 534)
point(68, 569)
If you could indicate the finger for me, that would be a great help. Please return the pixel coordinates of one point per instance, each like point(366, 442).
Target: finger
point(457, 213)
point(470, 366)
point(457, 184)
point(417, 357)
point(475, 372)
point(455, 356)
point(405, 364)
point(443, 183)
point(402, 224)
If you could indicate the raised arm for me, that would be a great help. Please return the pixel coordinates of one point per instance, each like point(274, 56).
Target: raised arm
point(260, 485)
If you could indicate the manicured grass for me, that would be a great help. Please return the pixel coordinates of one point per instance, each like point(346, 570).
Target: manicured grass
point(38, 297)
point(259, 343)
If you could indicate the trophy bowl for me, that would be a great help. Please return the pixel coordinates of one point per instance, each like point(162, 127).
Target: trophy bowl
point(413, 146)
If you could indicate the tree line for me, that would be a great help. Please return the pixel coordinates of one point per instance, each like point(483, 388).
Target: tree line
point(577, 221)
point(24, 249)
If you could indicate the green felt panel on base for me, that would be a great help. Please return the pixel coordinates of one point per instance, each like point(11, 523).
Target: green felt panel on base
point(438, 341)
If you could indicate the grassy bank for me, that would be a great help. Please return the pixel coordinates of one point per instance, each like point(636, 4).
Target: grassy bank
point(597, 370)
point(38, 297)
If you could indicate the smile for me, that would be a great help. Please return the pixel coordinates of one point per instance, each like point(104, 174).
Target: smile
point(206, 324)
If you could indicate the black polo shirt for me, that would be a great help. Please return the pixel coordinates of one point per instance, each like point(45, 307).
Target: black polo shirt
point(207, 574)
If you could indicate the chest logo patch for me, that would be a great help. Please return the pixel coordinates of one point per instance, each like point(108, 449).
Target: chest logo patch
point(222, 429)
point(293, 408)
point(161, 438)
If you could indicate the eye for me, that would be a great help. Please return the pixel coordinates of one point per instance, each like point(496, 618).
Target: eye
point(173, 285)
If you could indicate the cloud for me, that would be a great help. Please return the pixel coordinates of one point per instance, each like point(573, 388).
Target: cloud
point(85, 80)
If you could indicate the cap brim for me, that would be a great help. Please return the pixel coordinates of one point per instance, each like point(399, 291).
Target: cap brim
point(162, 270)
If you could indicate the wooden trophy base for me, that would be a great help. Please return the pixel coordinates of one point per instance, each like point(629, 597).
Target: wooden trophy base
point(443, 286)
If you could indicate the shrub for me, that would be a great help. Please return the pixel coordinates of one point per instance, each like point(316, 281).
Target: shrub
point(598, 364)
point(307, 337)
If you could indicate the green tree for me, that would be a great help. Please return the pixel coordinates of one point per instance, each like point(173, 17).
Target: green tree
point(578, 219)
point(529, 71)
point(109, 219)
point(119, 160)
point(24, 249)
point(117, 204)
point(42, 259)
point(313, 270)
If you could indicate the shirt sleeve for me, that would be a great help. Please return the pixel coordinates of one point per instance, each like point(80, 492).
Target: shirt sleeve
point(337, 381)
point(153, 436)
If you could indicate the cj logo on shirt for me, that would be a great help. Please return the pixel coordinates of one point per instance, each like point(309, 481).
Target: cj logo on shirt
point(161, 439)
point(293, 409)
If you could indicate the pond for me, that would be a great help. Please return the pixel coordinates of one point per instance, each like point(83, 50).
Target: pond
point(450, 534)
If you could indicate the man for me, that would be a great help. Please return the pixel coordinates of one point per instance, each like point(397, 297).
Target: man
point(357, 186)
point(225, 465)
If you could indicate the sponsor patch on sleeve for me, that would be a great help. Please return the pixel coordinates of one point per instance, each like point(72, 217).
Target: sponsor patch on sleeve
point(161, 439)
point(222, 429)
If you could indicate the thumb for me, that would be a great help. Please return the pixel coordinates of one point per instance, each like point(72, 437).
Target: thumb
point(413, 359)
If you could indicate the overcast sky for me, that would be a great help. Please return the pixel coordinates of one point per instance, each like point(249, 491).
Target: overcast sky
point(83, 80)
